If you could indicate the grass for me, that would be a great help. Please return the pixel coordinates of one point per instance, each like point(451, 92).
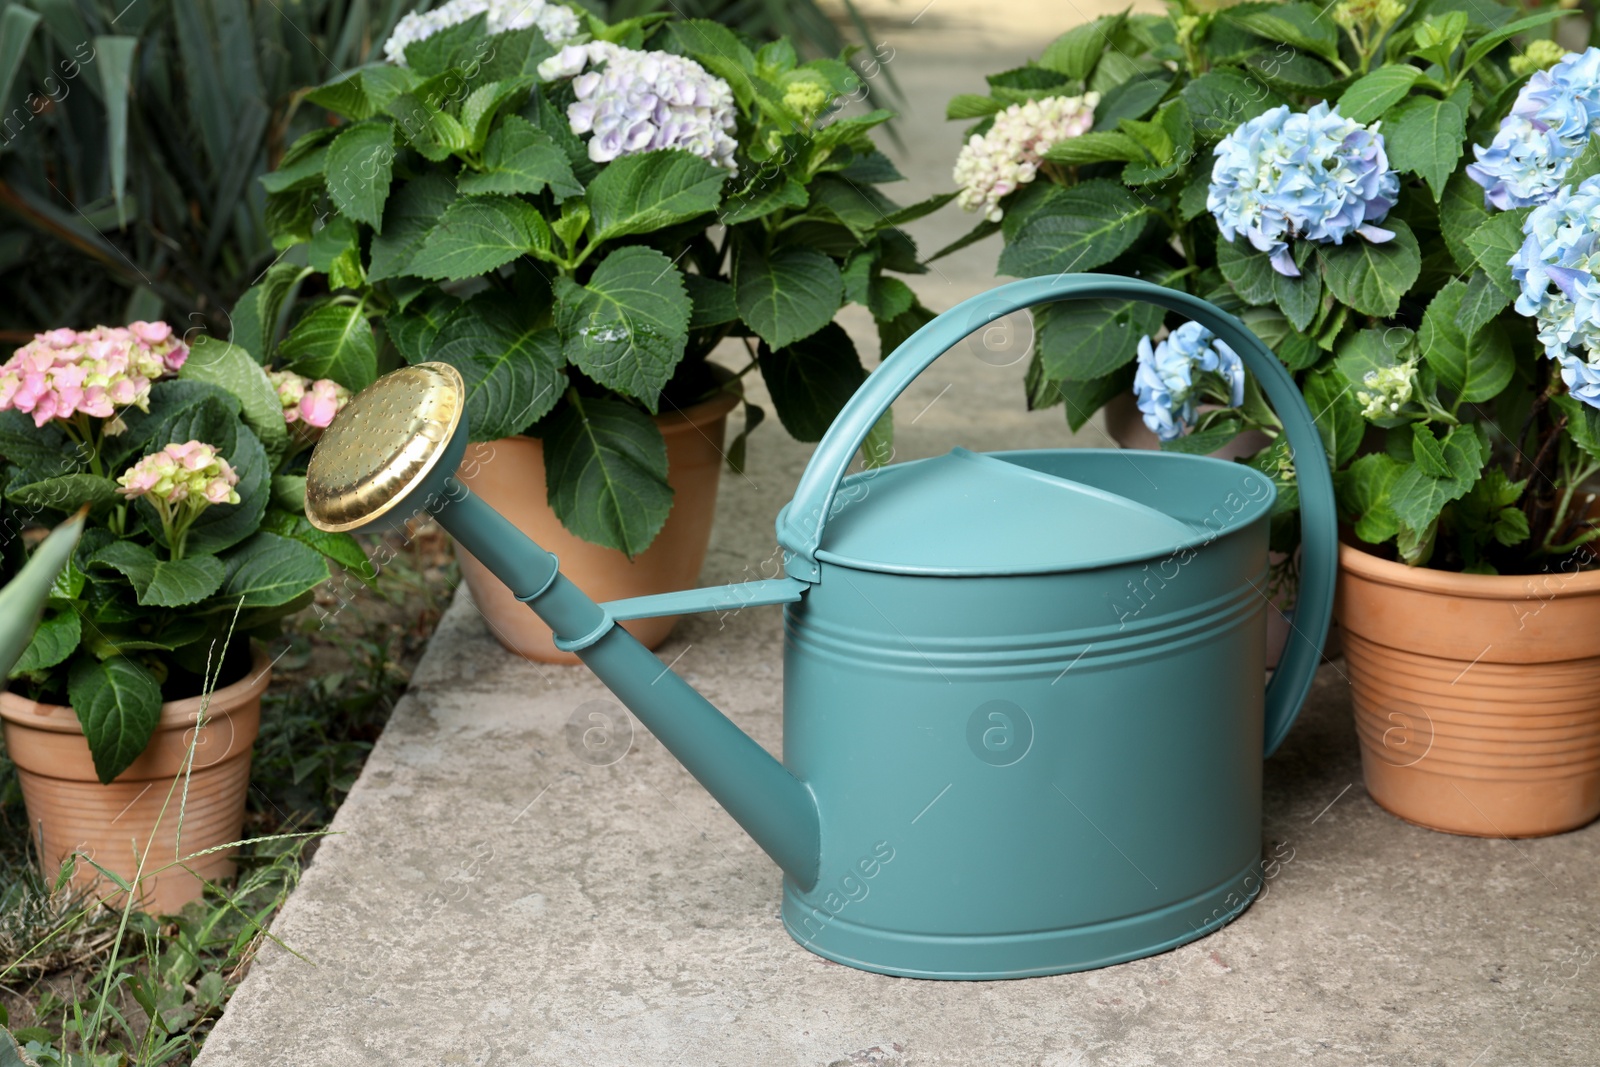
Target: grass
point(88, 981)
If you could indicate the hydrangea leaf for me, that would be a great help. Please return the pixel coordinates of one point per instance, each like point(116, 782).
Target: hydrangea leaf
point(118, 703)
point(1583, 423)
point(1083, 398)
point(359, 170)
point(477, 234)
point(1073, 229)
point(1371, 278)
point(1087, 339)
point(175, 583)
point(770, 193)
point(1221, 100)
point(789, 295)
point(1461, 212)
point(511, 363)
point(1301, 25)
point(1076, 52)
point(363, 92)
point(519, 157)
point(254, 319)
point(606, 473)
point(269, 571)
point(1248, 271)
point(1482, 301)
point(627, 328)
point(811, 380)
point(1494, 243)
point(1425, 136)
point(1108, 146)
point(222, 526)
point(231, 367)
point(333, 341)
point(642, 193)
point(1299, 298)
point(972, 106)
point(1476, 365)
point(431, 131)
point(1133, 99)
point(408, 216)
point(1417, 497)
point(1370, 95)
point(54, 639)
point(64, 492)
point(1364, 489)
point(1337, 415)
point(484, 102)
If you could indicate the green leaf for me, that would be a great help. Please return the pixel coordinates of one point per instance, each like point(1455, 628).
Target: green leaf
point(511, 364)
point(64, 493)
point(642, 193)
point(790, 295)
point(1337, 415)
point(1107, 147)
point(1364, 491)
point(1076, 52)
point(860, 208)
point(1425, 137)
point(338, 548)
point(56, 637)
point(1586, 165)
point(768, 194)
point(359, 170)
point(118, 704)
point(1475, 366)
point(175, 583)
point(1482, 301)
point(333, 341)
point(1298, 298)
point(1372, 94)
point(48, 573)
point(1372, 350)
point(1490, 41)
point(972, 106)
point(1583, 423)
point(1074, 229)
point(1494, 243)
point(478, 234)
point(363, 92)
point(335, 250)
point(1248, 271)
point(452, 46)
point(114, 64)
point(17, 24)
point(627, 328)
point(413, 332)
point(1417, 496)
point(1301, 25)
point(232, 368)
point(408, 217)
point(269, 571)
point(1133, 99)
point(1371, 278)
point(1087, 339)
point(1083, 398)
point(1461, 212)
point(1204, 442)
point(606, 473)
point(254, 319)
point(436, 134)
point(521, 158)
point(223, 525)
point(712, 300)
point(484, 102)
point(811, 380)
point(1221, 100)
point(302, 164)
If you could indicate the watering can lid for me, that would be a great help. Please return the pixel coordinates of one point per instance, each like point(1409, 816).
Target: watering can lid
point(969, 514)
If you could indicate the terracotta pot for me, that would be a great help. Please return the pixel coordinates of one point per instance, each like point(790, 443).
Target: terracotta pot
point(509, 475)
point(1126, 427)
point(1477, 697)
point(70, 811)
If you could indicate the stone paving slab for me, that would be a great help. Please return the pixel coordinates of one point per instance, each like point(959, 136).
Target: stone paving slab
point(492, 899)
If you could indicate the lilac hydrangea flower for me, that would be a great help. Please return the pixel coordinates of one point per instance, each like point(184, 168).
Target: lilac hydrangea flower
point(642, 101)
point(1170, 377)
point(1314, 175)
point(1557, 268)
point(1554, 117)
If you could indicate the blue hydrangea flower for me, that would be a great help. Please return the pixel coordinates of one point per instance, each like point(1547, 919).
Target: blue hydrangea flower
point(1172, 375)
point(1557, 268)
point(1552, 120)
point(1314, 175)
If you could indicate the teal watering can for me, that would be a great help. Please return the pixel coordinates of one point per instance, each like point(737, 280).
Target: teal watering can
point(1023, 709)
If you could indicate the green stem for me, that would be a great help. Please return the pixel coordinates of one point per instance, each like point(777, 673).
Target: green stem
point(1557, 524)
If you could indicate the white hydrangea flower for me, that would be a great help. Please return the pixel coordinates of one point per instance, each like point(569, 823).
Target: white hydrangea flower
point(1000, 162)
point(558, 23)
point(641, 101)
point(1385, 391)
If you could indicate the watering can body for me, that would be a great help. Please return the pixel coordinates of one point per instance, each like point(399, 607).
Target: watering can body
point(1023, 709)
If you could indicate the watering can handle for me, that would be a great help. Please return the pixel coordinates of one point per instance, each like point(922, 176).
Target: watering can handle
point(803, 521)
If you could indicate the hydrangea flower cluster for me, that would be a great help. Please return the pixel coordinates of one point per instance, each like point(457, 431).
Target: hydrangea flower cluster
point(995, 164)
point(1383, 392)
point(642, 101)
point(559, 24)
point(63, 373)
point(1558, 269)
point(1172, 376)
point(190, 472)
point(313, 403)
point(1554, 117)
point(1315, 175)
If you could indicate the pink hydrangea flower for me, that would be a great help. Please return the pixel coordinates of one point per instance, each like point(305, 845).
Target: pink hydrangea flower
point(188, 471)
point(314, 403)
point(995, 164)
point(62, 373)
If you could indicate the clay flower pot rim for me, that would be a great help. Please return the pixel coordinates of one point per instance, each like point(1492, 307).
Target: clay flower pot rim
point(60, 718)
point(1455, 583)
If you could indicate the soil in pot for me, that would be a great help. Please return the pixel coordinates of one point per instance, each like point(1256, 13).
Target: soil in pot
point(69, 810)
point(1477, 697)
point(509, 475)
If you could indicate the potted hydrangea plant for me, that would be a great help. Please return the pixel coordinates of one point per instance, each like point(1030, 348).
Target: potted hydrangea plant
point(1402, 201)
point(141, 670)
point(575, 215)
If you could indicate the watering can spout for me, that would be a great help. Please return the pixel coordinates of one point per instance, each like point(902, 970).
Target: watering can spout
point(391, 455)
